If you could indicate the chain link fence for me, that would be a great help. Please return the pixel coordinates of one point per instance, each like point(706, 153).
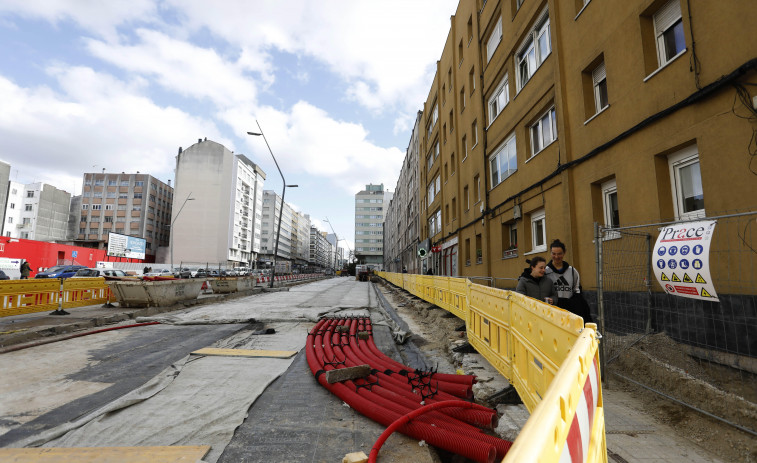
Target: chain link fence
point(700, 353)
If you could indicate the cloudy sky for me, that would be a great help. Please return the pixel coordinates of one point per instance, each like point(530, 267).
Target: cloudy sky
point(121, 85)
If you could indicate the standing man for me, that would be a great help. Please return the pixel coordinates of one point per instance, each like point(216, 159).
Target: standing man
point(567, 283)
point(25, 269)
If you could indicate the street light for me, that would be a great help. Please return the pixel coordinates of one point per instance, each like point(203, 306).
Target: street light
point(174, 221)
point(283, 192)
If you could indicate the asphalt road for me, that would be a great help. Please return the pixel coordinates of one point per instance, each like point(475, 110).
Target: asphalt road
point(128, 360)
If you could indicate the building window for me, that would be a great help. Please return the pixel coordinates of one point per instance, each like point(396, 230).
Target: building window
point(494, 39)
point(30, 193)
point(668, 29)
point(470, 30)
point(538, 231)
point(466, 197)
point(108, 219)
point(27, 220)
point(479, 250)
point(12, 205)
point(610, 204)
point(460, 53)
point(474, 133)
point(137, 195)
point(465, 147)
point(467, 251)
point(112, 183)
point(28, 207)
point(543, 132)
point(96, 207)
point(499, 99)
point(504, 161)
point(462, 99)
point(85, 206)
point(599, 80)
point(451, 122)
point(535, 49)
point(686, 183)
point(139, 183)
point(10, 219)
point(472, 79)
point(99, 182)
point(509, 240)
point(477, 184)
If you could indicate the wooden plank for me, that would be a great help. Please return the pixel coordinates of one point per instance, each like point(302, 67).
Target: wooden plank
point(283, 354)
point(173, 454)
point(343, 374)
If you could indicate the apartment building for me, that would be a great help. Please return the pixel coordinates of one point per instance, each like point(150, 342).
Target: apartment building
point(320, 249)
point(401, 232)
point(273, 210)
point(36, 211)
point(136, 205)
point(336, 258)
point(370, 211)
point(300, 239)
point(217, 206)
point(547, 116)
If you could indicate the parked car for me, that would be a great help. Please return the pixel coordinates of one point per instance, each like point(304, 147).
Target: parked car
point(159, 273)
point(183, 273)
point(100, 272)
point(60, 271)
point(3, 276)
point(200, 273)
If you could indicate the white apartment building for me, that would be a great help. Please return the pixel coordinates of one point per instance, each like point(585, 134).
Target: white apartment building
point(336, 258)
point(321, 254)
point(36, 211)
point(300, 239)
point(217, 208)
point(271, 214)
point(370, 211)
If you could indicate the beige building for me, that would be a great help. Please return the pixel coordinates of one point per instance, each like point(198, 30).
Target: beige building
point(137, 205)
point(370, 211)
point(544, 117)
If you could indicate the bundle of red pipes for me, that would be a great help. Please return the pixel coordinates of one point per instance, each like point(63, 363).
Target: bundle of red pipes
point(393, 390)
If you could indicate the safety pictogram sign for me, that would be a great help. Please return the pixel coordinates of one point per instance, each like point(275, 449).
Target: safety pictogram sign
point(682, 251)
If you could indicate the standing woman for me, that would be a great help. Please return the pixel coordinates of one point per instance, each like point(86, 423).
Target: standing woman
point(567, 283)
point(532, 282)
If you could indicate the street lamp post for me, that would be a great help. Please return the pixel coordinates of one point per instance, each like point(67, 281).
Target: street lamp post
point(336, 242)
point(174, 221)
point(283, 192)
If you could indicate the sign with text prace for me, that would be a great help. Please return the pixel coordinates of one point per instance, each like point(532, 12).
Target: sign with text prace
point(126, 246)
point(682, 260)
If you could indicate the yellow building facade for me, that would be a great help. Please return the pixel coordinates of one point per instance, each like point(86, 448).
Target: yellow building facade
point(545, 117)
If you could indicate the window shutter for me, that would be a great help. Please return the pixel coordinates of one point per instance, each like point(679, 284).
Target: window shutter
point(666, 16)
point(599, 74)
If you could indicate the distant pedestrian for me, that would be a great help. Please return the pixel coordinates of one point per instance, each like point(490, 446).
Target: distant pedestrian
point(146, 270)
point(532, 282)
point(567, 283)
point(25, 270)
point(430, 271)
point(404, 269)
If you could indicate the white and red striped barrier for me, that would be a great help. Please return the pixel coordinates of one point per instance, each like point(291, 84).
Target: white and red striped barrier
point(576, 448)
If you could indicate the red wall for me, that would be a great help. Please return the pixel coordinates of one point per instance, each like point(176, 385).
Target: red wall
point(42, 255)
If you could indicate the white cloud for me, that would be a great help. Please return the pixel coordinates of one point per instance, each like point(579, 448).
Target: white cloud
point(95, 120)
point(386, 51)
point(181, 67)
point(307, 140)
point(101, 18)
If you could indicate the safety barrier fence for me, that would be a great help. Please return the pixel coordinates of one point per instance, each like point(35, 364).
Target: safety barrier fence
point(700, 352)
point(547, 353)
point(19, 297)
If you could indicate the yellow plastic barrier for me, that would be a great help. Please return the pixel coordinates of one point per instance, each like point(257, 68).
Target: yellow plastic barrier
point(79, 292)
point(27, 296)
point(544, 351)
point(18, 297)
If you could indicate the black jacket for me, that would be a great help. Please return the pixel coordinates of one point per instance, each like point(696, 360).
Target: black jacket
point(536, 288)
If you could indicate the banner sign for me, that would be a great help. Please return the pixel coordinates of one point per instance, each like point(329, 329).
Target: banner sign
point(681, 259)
point(126, 246)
